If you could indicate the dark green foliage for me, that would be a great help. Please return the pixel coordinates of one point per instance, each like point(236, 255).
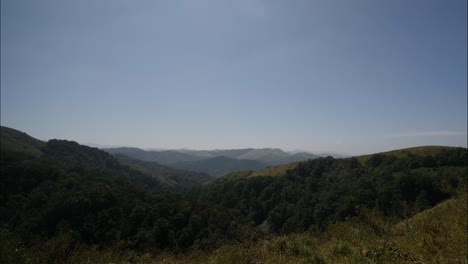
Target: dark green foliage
point(14, 141)
point(325, 190)
point(89, 194)
point(170, 176)
point(219, 166)
point(82, 195)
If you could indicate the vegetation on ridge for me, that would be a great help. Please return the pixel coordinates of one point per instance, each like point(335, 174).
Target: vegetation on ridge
point(72, 203)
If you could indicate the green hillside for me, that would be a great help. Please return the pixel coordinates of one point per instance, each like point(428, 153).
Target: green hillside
point(316, 193)
point(275, 171)
point(436, 235)
point(420, 151)
point(81, 193)
point(219, 166)
point(15, 141)
point(74, 204)
point(18, 145)
point(423, 151)
point(172, 177)
point(368, 238)
point(278, 170)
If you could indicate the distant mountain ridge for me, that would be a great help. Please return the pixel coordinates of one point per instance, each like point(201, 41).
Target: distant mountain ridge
point(165, 157)
point(215, 162)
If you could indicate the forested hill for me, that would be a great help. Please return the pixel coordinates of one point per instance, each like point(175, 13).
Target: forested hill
point(73, 156)
point(218, 166)
point(62, 200)
point(68, 188)
point(16, 141)
point(316, 193)
point(165, 174)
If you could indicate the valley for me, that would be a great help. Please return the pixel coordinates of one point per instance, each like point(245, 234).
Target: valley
point(65, 202)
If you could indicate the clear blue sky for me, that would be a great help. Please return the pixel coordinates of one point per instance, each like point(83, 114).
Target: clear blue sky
point(342, 76)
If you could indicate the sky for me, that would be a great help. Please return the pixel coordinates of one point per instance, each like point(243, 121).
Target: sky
point(337, 76)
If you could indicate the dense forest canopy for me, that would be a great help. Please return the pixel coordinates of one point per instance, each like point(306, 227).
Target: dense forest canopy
point(59, 187)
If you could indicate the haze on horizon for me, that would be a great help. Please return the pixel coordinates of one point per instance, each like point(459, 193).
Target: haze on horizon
point(338, 76)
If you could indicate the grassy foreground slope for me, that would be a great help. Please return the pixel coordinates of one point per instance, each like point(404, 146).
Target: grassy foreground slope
point(436, 235)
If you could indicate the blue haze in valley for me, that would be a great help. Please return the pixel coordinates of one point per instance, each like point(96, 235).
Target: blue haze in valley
point(324, 76)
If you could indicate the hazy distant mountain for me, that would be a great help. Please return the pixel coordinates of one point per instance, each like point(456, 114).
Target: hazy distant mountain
point(276, 156)
point(165, 157)
point(218, 166)
point(322, 154)
point(230, 153)
point(165, 174)
point(335, 155)
point(99, 146)
point(214, 162)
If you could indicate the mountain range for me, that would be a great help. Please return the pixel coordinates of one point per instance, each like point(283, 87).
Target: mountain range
point(62, 202)
point(214, 162)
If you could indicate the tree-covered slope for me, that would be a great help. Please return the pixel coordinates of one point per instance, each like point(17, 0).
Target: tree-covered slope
point(316, 193)
point(165, 174)
point(72, 201)
point(219, 166)
point(414, 151)
point(436, 235)
point(90, 195)
point(416, 154)
point(12, 140)
point(18, 145)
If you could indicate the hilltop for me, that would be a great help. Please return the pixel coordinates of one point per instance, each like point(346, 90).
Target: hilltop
point(15, 141)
